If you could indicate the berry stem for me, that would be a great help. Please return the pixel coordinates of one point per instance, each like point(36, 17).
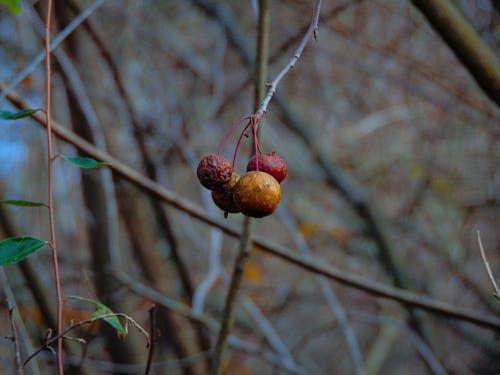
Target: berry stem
point(231, 130)
point(253, 121)
point(239, 141)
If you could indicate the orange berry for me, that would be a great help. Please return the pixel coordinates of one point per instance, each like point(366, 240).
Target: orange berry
point(257, 194)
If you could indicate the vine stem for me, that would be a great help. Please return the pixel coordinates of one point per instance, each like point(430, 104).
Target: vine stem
point(50, 170)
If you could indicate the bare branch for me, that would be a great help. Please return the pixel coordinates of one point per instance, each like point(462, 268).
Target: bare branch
point(55, 42)
point(296, 56)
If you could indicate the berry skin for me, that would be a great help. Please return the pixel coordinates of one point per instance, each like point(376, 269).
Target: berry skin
point(271, 163)
point(214, 171)
point(257, 194)
point(223, 196)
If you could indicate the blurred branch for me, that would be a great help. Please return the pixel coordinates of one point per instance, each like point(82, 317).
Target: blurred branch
point(328, 293)
point(15, 316)
point(422, 347)
point(55, 42)
point(15, 337)
point(487, 266)
point(305, 262)
point(206, 320)
point(470, 49)
point(150, 261)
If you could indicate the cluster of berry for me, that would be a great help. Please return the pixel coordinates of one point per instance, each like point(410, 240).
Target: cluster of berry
point(257, 193)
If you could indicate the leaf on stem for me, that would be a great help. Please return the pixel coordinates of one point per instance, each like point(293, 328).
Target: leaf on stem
point(15, 249)
point(102, 309)
point(8, 115)
point(23, 203)
point(84, 162)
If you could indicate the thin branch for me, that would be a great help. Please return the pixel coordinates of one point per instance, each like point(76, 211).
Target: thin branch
point(296, 56)
point(50, 171)
point(89, 321)
point(487, 266)
point(306, 262)
point(57, 40)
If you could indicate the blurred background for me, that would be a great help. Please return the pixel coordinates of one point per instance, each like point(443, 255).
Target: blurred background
point(392, 153)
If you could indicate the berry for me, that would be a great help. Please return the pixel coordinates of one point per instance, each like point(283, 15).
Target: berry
point(271, 163)
point(223, 196)
point(257, 194)
point(214, 171)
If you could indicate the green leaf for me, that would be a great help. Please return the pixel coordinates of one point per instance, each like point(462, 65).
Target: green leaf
point(7, 115)
point(85, 162)
point(15, 249)
point(101, 309)
point(14, 6)
point(23, 203)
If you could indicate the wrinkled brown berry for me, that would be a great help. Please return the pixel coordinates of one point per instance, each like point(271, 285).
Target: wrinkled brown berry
point(214, 171)
point(271, 163)
point(223, 196)
point(257, 194)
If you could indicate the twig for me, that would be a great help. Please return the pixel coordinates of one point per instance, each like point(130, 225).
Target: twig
point(296, 56)
point(487, 266)
point(50, 170)
point(57, 40)
point(153, 336)
point(306, 262)
point(89, 321)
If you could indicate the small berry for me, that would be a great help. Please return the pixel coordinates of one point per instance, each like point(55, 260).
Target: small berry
point(223, 196)
point(214, 171)
point(271, 163)
point(257, 194)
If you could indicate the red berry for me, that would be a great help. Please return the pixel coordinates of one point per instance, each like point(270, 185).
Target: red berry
point(271, 163)
point(214, 171)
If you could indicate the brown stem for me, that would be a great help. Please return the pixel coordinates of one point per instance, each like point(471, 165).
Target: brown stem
point(230, 303)
point(50, 157)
